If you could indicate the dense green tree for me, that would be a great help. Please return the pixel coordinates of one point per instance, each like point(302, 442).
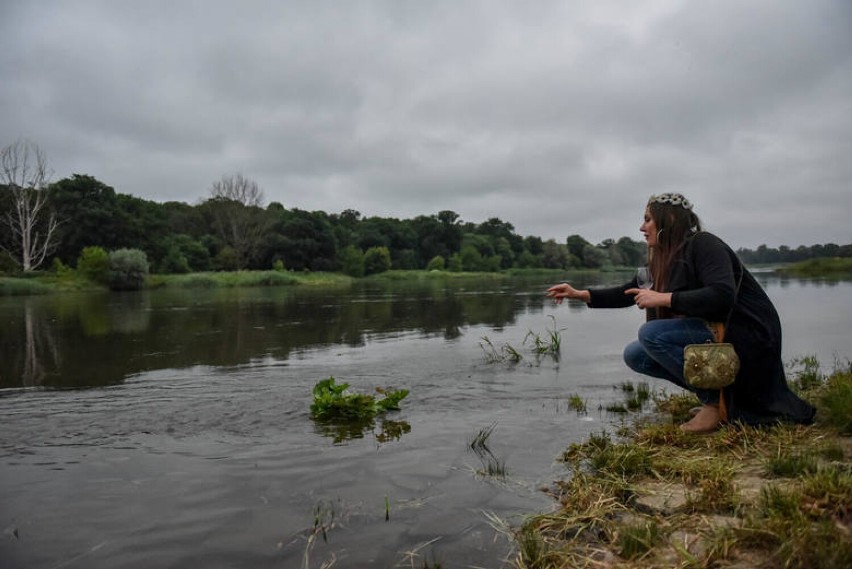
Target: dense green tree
point(556, 256)
point(577, 246)
point(482, 243)
point(226, 259)
point(439, 234)
point(405, 259)
point(345, 226)
point(144, 224)
point(374, 232)
point(352, 261)
point(527, 260)
point(535, 245)
point(784, 254)
point(495, 227)
point(184, 254)
point(8, 265)
point(633, 253)
point(94, 264)
point(376, 260)
point(182, 218)
point(503, 250)
point(90, 215)
point(173, 263)
point(232, 230)
point(436, 264)
point(471, 258)
point(306, 240)
point(594, 257)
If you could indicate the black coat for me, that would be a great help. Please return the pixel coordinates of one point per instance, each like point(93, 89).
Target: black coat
point(703, 281)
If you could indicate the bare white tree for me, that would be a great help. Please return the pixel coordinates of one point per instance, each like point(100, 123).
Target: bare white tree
point(238, 216)
point(238, 189)
point(30, 221)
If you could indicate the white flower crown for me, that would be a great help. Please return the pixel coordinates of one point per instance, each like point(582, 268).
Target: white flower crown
point(671, 199)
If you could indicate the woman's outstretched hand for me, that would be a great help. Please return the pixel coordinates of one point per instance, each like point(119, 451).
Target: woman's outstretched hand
point(563, 290)
point(645, 298)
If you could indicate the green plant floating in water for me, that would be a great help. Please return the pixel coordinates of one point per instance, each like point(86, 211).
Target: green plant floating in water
point(332, 402)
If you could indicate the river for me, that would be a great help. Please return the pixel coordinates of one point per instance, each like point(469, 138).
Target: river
point(172, 428)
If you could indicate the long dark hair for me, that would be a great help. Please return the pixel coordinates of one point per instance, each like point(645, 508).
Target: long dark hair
point(675, 225)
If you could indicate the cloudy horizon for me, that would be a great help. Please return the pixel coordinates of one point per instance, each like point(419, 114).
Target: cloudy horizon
point(559, 118)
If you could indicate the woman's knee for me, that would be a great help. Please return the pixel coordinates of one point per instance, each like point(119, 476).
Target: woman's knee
point(650, 332)
point(635, 356)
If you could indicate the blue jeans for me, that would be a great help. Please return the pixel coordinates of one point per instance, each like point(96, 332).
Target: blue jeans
point(659, 351)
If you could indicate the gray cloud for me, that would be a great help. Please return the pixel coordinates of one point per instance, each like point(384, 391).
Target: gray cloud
point(557, 117)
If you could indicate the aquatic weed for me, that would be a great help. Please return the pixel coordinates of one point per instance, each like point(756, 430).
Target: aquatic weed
point(506, 353)
point(479, 442)
point(577, 403)
point(332, 401)
point(551, 345)
point(491, 465)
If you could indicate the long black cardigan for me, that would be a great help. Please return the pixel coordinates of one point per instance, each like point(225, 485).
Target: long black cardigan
point(703, 282)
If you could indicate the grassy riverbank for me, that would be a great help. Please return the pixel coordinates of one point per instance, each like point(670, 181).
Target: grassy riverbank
point(47, 283)
point(837, 267)
point(652, 496)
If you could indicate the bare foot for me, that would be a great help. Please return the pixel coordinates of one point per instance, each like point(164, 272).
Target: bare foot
point(705, 421)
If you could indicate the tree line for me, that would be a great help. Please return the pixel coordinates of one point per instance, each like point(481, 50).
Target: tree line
point(234, 229)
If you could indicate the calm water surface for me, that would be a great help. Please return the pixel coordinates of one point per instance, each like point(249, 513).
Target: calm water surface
point(187, 439)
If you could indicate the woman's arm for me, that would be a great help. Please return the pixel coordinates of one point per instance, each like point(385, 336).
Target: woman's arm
point(563, 290)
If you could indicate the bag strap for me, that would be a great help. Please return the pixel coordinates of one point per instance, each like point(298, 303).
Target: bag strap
point(719, 336)
point(719, 333)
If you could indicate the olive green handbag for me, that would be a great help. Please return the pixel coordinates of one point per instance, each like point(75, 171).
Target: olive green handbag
point(712, 365)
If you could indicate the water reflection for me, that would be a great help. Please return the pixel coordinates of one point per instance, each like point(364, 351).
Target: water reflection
point(101, 339)
point(86, 340)
point(342, 431)
point(39, 356)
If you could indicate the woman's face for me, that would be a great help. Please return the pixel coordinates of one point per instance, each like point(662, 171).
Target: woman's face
point(649, 229)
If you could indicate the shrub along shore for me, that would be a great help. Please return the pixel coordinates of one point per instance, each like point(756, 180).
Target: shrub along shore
point(653, 496)
point(65, 279)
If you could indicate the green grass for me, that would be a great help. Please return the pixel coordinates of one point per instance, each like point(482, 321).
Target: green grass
point(637, 539)
point(244, 279)
point(828, 267)
point(835, 400)
point(805, 372)
point(788, 464)
point(10, 286)
point(69, 280)
point(42, 282)
point(423, 275)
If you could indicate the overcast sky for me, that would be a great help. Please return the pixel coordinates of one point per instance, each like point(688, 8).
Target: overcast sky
point(559, 117)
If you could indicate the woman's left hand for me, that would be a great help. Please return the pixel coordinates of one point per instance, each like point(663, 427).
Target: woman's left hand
point(645, 298)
